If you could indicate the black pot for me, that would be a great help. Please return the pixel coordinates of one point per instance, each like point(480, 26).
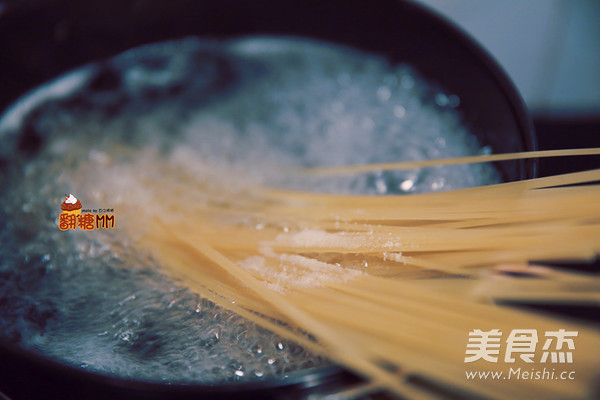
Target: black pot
point(43, 38)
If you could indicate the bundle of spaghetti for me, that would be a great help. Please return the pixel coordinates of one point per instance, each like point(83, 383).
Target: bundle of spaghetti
point(391, 286)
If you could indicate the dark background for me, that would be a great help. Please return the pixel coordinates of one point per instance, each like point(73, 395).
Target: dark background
point(39, 41)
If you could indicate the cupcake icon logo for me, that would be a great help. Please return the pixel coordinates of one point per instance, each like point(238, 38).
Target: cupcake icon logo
point(74, 216)
point(71, 205)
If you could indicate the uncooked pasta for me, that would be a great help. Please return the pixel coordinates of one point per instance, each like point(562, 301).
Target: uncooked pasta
point(278, 205)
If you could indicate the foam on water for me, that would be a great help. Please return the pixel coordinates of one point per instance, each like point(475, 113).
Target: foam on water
point(239, 112)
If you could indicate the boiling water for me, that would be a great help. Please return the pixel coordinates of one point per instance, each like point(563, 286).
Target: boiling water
point(245, 109)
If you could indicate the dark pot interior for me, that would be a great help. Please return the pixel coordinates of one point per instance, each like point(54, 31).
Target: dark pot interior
point(42, 39)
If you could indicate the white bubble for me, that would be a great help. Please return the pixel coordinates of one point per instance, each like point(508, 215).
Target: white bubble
point(407, 185)
point(441, 99)
point(384, 93)
point(438, 184)
point(399, 111)
point(380, 186)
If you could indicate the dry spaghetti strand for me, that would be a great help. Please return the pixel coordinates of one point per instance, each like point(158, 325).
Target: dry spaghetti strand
point(391, 286)
point(354, 169)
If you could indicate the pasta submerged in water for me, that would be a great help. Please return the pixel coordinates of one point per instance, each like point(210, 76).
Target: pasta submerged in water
point(201, 149)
